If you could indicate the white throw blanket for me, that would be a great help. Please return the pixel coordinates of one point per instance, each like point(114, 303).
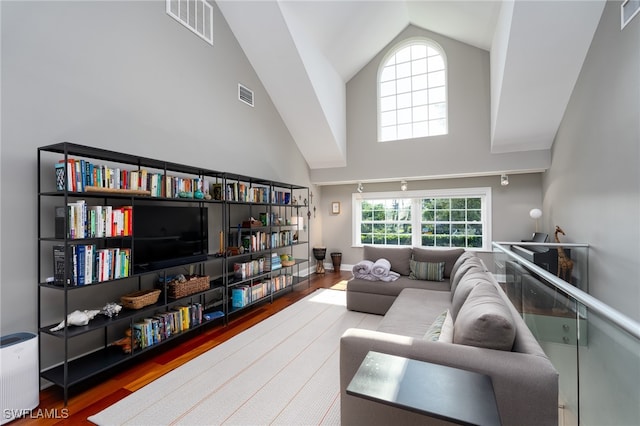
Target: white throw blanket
point(378, 271)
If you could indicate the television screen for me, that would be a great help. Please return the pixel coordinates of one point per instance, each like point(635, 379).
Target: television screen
point(166, 236)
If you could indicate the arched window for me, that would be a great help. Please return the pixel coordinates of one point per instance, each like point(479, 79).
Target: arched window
point(412, 91)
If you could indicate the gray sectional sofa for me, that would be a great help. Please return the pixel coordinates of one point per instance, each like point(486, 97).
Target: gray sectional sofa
point(464, 320)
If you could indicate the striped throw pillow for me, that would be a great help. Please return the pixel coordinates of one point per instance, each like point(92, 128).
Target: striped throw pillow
point(426, 271)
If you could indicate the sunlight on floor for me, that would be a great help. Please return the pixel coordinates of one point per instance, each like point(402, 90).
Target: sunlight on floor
point(330, 297)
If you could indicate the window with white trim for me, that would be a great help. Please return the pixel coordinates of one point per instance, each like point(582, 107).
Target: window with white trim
point(412, 91)
point(442, 218)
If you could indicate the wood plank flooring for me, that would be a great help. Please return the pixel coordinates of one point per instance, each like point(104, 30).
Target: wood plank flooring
point(97, 394)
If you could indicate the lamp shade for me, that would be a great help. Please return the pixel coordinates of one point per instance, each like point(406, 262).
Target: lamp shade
point(535, 213)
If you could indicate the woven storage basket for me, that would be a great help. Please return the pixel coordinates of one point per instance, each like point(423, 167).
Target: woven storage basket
point(288, 262)
point(140, 299)
point(193, 284)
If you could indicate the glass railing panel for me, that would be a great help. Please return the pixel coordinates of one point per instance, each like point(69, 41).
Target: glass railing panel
point(595, 349)
point(609, 375)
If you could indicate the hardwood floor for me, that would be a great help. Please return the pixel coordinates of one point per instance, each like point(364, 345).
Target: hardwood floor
point(97, 394)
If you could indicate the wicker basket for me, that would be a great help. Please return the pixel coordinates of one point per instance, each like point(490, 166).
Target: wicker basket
point(288, 262)
point(193, 284)
point(140, 299)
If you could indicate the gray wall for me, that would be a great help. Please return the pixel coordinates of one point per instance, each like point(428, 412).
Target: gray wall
point(510, 209)
point(592, 189)
point(127, 77)
point(464, 151)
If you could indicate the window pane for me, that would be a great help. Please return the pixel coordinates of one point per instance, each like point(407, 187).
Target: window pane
point(421, 113)
point(404, 55)
point(366, 239)
point(458, 203)
point(437, 95)
point(474, 203)
point(435, 63)
point(388, 73)
point(443, 215)
point(388, 88)
point(420, 82)
point(443, 241)
point(388, 118)
point(443, 203)
point(474, 215)
point(404, 131)
point(431, 51)
point(387, 103)
point(420, 129)
point(388, 133)
point(404, 100)
point(403, 85)
point(404, 116)
point(458, 229)
point(366, 228)
point(419, 67)
point(437, 127)
point(436, 78)
point(428, 215)
point(418, 51)
point(419, 97)
point(403, 70)
point(437, 111)
point(458, 215)
point(428, 240)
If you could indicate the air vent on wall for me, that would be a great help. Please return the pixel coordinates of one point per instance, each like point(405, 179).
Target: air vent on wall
point(197, 15)
point(628, 9)
point(245, 94)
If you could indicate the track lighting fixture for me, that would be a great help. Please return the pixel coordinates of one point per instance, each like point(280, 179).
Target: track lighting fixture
point(360, 188)
point(403, 185)
point(504, 180)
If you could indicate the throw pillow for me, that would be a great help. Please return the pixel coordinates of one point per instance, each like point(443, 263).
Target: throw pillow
point(426, 271)
point(435, 329)
point(448, 256)
point(484, 321)
point(446, 334)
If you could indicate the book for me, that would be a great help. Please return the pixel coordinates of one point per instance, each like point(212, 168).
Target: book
point(59, 259)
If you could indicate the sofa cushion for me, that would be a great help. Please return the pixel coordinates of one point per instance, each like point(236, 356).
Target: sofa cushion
point(398, 257)
point(467, 283)
point(449, 257)
point(426, 271)
point(413, 312)
point(472, 265)
point(484, 320)
point(463, 257)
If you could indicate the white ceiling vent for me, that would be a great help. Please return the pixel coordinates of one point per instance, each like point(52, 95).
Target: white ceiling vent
point(628, 9)
point(245, 94)
point(197, 15)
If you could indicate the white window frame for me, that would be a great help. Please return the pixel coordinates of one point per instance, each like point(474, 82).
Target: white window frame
point(484, 193)
point(430, 44)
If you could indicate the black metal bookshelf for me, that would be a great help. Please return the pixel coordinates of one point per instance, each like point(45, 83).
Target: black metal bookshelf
point(74, 368)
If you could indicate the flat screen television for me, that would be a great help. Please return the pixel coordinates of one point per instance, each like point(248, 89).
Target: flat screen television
point(167, 236)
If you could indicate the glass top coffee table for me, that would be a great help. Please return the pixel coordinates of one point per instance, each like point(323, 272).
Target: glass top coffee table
point(446, 393)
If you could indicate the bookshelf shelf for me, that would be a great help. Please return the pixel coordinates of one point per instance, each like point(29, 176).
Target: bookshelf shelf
point(78, 186)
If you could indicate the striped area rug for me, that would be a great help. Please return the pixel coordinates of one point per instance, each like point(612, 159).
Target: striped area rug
point(284, 370)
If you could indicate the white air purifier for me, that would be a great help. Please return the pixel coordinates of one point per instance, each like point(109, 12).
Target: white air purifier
point(19, 378)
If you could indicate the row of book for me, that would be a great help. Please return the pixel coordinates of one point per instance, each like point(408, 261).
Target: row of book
point(151, 331)
point(87, 264)
point(85, 221)
point(259, 240)
point(243, 295)
point(77, 175)
point(245, 270)
point(242, 192)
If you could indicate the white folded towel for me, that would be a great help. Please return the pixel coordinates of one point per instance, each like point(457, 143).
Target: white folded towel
point(381, 268)
point(363, 267)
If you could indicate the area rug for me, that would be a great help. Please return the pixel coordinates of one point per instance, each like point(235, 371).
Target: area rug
point(284, 370)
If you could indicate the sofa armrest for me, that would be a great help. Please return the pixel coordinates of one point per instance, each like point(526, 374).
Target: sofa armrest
point(526, 386)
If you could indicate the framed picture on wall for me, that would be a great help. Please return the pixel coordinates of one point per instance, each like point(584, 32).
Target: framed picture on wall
point(335, 207)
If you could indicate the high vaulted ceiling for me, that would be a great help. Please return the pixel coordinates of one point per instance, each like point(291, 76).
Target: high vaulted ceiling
point(305, 52)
